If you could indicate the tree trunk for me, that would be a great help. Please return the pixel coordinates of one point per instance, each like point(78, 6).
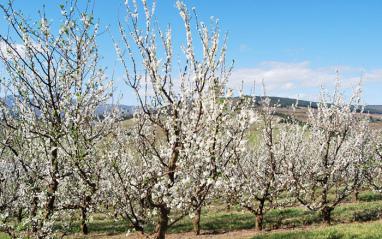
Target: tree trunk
point(355, 196)
point(34, 213)
point(229, 200)
point(228, 207)
point(84, 225)
point(20, 215)
point(53, 184)
point(140, 232)
point(161, 228)
point(196, 221)
point(326, 213)
point(259, 222)
point(259, 216)
point(84, 209)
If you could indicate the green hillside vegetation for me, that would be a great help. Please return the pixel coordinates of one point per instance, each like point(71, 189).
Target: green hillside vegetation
point(374, 109)
point(288, 102)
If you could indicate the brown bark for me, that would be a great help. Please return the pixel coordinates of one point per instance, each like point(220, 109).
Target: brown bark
point(20, 215)
point(84, 225)
point(196, 221)
point(228, 207)
point(162, 224)
point(355, 196)
point(326, 215)
point(53, 185)
point(260, 216)
point(84, 208)
point(34, 213)
point(140, 232)
point(259, 222)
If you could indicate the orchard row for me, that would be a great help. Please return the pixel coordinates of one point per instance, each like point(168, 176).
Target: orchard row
point(190, 141)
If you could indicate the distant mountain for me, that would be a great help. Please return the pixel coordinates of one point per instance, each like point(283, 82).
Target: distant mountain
point(282, 101)
point(374, 109)
point(288, 102)
point(128, 109)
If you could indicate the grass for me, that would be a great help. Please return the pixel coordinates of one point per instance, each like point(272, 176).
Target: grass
point(4, 236)
point(104, 224)
point(369, 196)
point(345, 231)
point(215, 218)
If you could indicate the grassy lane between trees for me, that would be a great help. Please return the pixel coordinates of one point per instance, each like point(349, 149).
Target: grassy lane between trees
point(348, 222)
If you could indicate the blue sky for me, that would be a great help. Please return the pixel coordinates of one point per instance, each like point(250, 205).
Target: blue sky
point(292, 45)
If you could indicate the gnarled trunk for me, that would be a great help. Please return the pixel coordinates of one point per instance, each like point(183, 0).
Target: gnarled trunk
point(259, 222)
point(228, 207)
point(53, 185)
point(84, 225)
point(326, 215)
point(140, 232)
point(52, 189)
point(355, 196)
point(161, 228)
point(84, 209)
point(20, 214)
point(196, 221)
point(260, 216)
point(34, 213)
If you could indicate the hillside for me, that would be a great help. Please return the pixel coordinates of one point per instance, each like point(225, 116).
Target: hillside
point(288, 102)
point(374, 109)
point(285, 104)
point(127, 109)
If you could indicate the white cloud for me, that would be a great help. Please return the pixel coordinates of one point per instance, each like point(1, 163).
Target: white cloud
point(309, 97)
point(279, 75)
point(299, 79)
point(3, 50)
point(244, 48)
point(373, 76)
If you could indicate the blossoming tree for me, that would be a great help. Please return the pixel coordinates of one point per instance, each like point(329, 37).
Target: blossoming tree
point(55, 84)
point(257, 176)
point(330, 154)
point(373, 167)
point(185, 125)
